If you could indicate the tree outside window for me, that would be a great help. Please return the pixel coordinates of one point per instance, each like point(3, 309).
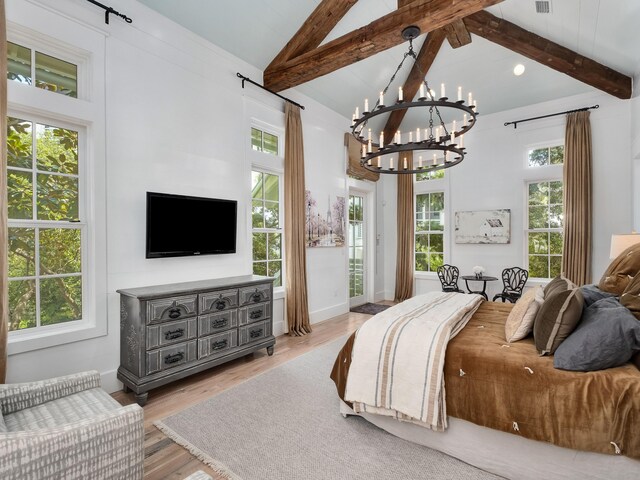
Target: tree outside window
point(545, 222)
point(45, 228)
point(266, 225)
point(429, 231)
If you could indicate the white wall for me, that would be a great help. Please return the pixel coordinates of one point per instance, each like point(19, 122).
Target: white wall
point(493, 176)
point(635, 150)
point(177, 122)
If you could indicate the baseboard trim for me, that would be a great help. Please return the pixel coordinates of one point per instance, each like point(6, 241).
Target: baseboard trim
point(110, 381)
point(327, 313)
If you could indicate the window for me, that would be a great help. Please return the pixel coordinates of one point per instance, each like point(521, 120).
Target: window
point(264, 142)
point(356, 246)
point(46, 228)
point(434, 175)
point(429, 231)
point(50, 73)
point(539, 157)
point(545, 221)
point(266, 225)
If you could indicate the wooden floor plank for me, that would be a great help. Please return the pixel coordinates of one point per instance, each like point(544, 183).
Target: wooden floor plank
point(165, 459)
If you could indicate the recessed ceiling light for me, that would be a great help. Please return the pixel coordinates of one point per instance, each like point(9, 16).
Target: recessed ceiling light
point(518, 69)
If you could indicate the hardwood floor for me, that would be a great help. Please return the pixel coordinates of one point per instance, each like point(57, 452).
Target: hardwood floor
point(164, 459)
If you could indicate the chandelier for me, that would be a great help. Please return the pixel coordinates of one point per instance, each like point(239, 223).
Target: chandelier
point(433, 145)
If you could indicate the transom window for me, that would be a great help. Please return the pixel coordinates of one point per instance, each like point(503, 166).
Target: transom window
point(429, 231)
point(32, 67)
point(266, 225)
point(434, 175)
point(264, 141)
point(46, 229)
point(552, 155)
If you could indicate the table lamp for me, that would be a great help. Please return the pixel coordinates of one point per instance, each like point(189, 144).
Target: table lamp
point(620, 242)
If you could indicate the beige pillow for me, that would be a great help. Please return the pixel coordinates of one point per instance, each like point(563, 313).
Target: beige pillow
point(621, 271)
point(520, 321)
point(630, 298)
point(558, 316)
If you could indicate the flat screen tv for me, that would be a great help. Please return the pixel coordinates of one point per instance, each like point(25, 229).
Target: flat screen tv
point(178, 225)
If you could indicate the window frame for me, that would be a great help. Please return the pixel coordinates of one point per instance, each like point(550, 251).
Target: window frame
point(429, 232)
point(433, 185)
point(84, 113)
point(540, 174)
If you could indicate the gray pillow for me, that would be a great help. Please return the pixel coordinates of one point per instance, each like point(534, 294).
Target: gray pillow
point(608, 336)
point(591, 294)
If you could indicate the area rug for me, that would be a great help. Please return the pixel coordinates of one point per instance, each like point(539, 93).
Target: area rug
point(285, 424)
point(370, 308)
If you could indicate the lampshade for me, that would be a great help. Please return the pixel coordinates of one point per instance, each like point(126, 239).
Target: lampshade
point(620, 242)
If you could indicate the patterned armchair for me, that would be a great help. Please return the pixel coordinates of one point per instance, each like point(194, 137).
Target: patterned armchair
point(68, 428)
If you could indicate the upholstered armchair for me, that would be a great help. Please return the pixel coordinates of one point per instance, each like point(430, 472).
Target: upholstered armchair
point(68, 428)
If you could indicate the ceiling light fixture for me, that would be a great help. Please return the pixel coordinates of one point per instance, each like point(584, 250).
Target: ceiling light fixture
point(435, 146)
point(518, 70)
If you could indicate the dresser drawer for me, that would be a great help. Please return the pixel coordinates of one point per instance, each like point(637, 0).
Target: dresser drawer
point(218, 300)
point(217, 322)
point(254, 332)
point(217, 344)
point(170, 309)
point(171, 357)
point(255, 294)
point(171, 332)
point(254, 313)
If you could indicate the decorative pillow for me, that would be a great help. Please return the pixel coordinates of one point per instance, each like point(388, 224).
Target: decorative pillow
point(591, 294)
point(558, 283)
point(557, 318)
point(621, 270)
point(607, 337)
point(520, 321)
point(630, 298)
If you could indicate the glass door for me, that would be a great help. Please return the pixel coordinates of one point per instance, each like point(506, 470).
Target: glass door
point(357, 230)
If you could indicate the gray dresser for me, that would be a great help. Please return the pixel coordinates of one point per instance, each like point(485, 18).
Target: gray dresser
point(168, 332)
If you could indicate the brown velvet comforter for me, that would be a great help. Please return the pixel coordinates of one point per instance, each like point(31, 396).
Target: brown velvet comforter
point(511, 388)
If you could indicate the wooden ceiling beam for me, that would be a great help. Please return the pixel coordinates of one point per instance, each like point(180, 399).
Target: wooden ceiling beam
point(548, 53)
point(426, 56)
point(379, 35)
point(457, 34)
point(314, 30)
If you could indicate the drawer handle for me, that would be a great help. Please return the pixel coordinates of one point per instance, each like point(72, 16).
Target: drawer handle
point(255, 333)
point(172, 334)
point(174, 313)
point(176, 357)
point(219, 345)
point(219, 323)
point(220, 304)
point(256, 297)
point(255, 314)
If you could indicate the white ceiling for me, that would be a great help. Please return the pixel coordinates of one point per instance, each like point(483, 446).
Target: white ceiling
point(256, 30)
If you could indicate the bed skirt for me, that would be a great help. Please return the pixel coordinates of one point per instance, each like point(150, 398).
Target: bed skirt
point(508, 455)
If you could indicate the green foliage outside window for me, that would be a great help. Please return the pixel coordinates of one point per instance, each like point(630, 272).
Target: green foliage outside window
point(435, 175)
point(429, 231)
point(546, 156)
point(265, 219)
point(264, 141)
point(44, 258)
point(356, 246)
point(544, 238)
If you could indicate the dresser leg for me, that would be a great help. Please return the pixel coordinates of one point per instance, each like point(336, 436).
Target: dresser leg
point(141, 398)
point(270, 350)
point(125, 389)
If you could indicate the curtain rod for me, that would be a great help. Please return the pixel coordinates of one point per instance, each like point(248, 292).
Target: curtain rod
point(247, 79)
point(109, 10)
point(516, 122)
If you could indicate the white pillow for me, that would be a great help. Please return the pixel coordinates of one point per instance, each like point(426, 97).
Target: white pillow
point(520, 321)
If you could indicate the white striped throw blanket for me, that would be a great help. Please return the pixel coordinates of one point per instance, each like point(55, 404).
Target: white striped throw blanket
point(397, 362)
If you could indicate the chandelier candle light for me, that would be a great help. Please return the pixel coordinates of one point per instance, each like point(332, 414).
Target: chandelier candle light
point(441, 144)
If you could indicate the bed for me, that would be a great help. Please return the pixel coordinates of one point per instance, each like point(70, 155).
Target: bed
point(512, 413)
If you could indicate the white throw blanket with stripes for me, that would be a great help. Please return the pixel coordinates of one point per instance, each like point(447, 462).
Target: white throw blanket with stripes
point(397, 362)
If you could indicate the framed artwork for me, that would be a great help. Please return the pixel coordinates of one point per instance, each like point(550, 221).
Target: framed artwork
point(325, 223)
point(483, 226)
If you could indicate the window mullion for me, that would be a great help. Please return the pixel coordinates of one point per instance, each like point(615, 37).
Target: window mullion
point(37, 270)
